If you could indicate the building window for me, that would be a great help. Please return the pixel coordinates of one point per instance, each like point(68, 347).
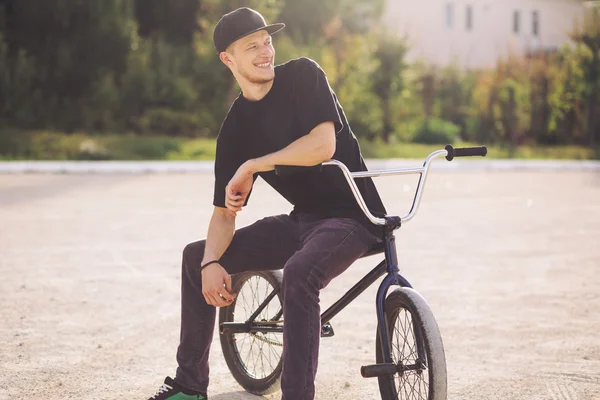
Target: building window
point(449, 15)
point(469, 19)
point(516, 20)
point(535, 23)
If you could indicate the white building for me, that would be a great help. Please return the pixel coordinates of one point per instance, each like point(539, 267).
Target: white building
point(475, 33)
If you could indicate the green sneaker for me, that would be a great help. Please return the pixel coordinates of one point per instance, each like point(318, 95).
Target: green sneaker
point(171, 390)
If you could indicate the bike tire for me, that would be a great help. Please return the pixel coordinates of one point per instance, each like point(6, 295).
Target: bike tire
point(400, 305)
point(240, 349)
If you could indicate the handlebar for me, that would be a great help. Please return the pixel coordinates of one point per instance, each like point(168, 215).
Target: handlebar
point(465, 152)
point(449, 152)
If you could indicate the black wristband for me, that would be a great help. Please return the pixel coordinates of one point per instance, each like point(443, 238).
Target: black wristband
point(208, 263)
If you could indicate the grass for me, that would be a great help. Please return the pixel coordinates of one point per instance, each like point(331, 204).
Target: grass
point(79, 146)
point(43, 145)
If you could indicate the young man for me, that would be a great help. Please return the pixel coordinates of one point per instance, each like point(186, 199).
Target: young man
point(285, 115)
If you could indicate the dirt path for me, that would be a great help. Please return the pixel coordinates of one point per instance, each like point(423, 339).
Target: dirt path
point(509, 262)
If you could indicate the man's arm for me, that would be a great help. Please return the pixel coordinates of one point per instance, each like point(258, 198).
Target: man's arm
point(316, 147)
point(312, 149)
point(220, 233)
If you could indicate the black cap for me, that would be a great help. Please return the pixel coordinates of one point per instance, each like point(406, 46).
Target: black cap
point(239, 23)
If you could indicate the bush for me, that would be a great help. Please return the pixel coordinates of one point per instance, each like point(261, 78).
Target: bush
point(436, 131)
point(47, 145)
point(170, 122)
point(194, 149)
point(44, 145)
point(90, 149)
point(132, 147)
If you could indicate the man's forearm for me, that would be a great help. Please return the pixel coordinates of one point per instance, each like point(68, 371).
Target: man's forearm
point(309, 150)
point(220, 234)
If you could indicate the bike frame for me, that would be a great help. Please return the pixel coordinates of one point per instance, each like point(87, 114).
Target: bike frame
point(388, 266)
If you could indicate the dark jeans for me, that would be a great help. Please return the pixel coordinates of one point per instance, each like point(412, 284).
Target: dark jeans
point(311, 252)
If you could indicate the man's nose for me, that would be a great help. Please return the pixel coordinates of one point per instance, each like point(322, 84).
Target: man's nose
point(266, 50)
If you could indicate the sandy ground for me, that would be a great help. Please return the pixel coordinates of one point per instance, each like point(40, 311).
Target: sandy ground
point(90, 272)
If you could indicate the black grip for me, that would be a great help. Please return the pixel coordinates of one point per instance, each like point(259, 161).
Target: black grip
point(465, 152)
point(375, 370)
point(289, 170)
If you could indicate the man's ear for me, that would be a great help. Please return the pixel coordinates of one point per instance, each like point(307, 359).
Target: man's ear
point(225, 58)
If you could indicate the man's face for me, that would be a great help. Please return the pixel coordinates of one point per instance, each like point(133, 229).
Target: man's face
point(253, 57)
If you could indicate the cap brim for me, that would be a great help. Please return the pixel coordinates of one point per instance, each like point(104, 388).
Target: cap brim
point(271, 29)
point(274, 28)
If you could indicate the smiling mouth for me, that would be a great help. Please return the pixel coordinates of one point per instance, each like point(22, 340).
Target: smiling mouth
point(266, 65)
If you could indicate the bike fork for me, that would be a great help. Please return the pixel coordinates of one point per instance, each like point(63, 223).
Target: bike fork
point(393, 278)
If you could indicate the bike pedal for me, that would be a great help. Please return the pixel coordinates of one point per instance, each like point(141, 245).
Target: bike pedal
point(327, 330)
point(377, 370)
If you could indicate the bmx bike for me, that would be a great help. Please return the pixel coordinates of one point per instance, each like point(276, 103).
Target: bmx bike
point(409, 353)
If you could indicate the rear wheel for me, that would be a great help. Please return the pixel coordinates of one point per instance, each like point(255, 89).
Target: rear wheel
point(416, 345)
point(254, 359)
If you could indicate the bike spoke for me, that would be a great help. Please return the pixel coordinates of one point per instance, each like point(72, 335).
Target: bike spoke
point(257, 350)
point(411, 384)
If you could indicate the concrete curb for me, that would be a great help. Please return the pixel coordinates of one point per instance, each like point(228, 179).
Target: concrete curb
point(139, 167)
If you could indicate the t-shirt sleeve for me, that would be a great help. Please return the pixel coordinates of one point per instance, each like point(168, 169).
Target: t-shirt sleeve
point(315, 99)
point(227, 162)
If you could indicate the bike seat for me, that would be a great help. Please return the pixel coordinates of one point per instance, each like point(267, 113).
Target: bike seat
point(375, 249)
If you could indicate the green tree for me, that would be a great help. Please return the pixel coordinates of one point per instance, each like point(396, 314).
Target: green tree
point(72, 44)
point(453, 95)
point(333, 18)
point(566, 95)
point(387, 78)
point(174, 21)
point(17, 94)
point(512, 107)
point(354, 89)
point(588, 35)
point(539, 129)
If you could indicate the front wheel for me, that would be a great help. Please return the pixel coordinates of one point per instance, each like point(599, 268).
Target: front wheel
point(254, 358)
point(416, 346)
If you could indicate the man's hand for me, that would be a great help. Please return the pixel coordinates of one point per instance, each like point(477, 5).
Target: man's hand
point(239, 187)
point(216, 286)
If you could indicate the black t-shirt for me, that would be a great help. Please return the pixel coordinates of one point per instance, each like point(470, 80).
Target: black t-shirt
point(299, 100)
